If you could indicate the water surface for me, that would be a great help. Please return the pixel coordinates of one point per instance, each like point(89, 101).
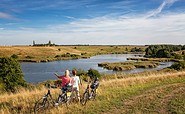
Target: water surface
point(38, 72)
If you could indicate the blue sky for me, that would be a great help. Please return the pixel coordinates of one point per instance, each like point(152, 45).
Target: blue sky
point(106, 22)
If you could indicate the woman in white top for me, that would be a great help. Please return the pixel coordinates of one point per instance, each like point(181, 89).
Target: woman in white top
point(76, 82)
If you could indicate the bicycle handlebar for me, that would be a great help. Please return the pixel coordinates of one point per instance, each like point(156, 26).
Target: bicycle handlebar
point(50, 86)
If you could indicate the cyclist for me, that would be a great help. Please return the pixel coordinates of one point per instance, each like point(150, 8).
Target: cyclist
point(76, 81)
point(66, 79)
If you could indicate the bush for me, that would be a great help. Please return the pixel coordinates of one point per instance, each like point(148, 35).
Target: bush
point(14, 56)
point(163, 53)
point(11, 74)
point(178, 66)
point(93, 73)
point(136, 49)
point(57, 56)
point(29, 57)
point(177, 56)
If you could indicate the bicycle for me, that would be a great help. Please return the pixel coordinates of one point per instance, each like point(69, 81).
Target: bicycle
point(66, 96)
point(44, 102)
point(87, 95)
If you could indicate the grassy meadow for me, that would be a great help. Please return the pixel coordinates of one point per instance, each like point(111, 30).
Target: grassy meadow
point(52, 53)
point(146, 92)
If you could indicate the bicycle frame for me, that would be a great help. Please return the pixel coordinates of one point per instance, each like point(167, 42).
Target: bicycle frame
point(87, 95)
point(65, 98)
point(44, 102)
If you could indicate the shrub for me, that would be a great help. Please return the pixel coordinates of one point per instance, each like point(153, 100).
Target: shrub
point(136, 49)
point(82, 74)
point(178, 65)
point(29, 57)
point(177, 56)
point(83, 53)
point(11, 74)
point(57, 56)
point(14, 56)
point(92, 73)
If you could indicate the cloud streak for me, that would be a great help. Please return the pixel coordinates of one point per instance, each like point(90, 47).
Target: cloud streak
point(161, 7)
point(6, 16)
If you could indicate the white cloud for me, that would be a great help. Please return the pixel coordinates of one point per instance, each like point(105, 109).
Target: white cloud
point(169, 28)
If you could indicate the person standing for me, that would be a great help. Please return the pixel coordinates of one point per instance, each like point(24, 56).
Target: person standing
point(76, 82)
point(66, 79)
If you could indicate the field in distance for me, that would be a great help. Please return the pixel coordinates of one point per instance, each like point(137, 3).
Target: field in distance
point(52, 53)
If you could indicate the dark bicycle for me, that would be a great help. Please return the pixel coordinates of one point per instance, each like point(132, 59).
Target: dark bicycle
point(88, 94)
point(43, 103)
point(66, 97)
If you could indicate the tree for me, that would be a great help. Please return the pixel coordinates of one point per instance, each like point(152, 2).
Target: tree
point(163, 53)
point(154, 50)
point(11, 74)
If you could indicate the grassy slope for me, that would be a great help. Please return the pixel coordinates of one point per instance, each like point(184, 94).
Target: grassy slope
point(137, 94)
point(163, 99)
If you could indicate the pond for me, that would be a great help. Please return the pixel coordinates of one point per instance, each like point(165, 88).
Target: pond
point(38, 72)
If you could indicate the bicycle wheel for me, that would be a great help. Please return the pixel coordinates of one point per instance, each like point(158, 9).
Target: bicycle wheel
point(61, 99)
point(41, 105)
point(85, 97)
point(94, 94)
point(69, 99)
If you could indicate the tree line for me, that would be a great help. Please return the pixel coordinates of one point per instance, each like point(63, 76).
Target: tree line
point(165, 51)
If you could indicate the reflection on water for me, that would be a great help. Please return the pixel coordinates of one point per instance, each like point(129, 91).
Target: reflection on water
point(37, 72)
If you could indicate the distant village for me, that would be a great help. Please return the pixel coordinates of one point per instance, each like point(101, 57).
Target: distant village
point(47, 44)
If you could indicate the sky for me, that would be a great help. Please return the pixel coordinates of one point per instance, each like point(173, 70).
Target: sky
point(93, 22)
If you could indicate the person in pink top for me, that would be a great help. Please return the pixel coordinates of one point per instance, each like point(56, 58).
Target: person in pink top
point(66, 79)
